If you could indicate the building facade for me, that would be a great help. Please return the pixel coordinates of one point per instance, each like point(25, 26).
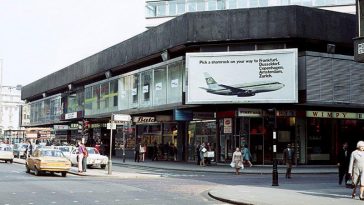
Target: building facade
point(227, 78)
point(10, 108)
point(160, 11)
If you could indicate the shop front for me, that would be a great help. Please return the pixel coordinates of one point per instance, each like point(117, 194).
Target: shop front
point(328, 130)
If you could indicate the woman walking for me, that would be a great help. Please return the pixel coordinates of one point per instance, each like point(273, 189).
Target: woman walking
point(237, 160)
point(356, 169)
point(247, 155)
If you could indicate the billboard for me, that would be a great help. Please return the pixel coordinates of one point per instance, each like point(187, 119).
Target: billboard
point(268, 76)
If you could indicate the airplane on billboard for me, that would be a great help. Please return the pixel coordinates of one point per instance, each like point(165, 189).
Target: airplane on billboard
point(240, 90)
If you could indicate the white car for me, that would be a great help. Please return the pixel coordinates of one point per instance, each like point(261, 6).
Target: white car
point(94, 158)
point(6, 153)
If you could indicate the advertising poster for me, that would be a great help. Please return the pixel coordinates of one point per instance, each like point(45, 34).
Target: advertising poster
point(242, 77)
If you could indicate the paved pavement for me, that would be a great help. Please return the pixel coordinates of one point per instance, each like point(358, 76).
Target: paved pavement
point(239, 194)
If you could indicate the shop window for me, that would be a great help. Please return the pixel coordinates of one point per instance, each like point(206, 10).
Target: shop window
point(174, 87)
point(134, 90)
point(319, 133)
point(104, 97)
point(114, 94)
point(145, 87)
point(160, 86)
point(180, 6)
point(88, 100)
point(211, 5)
point(125, 93)
point(172, 5)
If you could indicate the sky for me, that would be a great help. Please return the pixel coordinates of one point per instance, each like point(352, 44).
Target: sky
point(39, 37)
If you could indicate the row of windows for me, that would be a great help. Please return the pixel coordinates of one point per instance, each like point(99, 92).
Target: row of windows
point(178, 7)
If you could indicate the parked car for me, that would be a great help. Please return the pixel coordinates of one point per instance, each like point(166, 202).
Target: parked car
point(94, 158)
point(6, 153)
point(19, 150)
point(47, 160)
point(66, 150)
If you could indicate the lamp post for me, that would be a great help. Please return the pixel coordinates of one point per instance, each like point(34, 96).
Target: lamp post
point(109, 167)
point(275, 169)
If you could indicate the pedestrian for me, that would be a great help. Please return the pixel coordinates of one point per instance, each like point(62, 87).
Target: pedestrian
point(247, 156)
point(356, 169)
point(142, 150)
point(84, 159)
point(29, 149)
point(137, 152)
point(202, 151)
point(102, 148)
point(198, 153)
point(288, 158)
point(237, 160)
point(343, 163)
point(155, 152)
point(80, 156)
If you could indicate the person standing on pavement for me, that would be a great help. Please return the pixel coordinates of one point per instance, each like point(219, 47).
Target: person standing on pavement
point(202, 151)
point(247, 156)
point(198, 153)
point(343, 163)
point(356, 169)
point(237, 159)
point(84, 159)
point(137, 152)
point(288, 158)
point(80, 156)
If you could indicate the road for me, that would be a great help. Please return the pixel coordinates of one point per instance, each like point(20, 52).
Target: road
point(173, 187)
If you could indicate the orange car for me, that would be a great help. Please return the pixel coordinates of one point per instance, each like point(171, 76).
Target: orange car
point(48, 160)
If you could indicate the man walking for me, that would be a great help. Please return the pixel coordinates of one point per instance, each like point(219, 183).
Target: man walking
point(288, 157)
point(343, 163)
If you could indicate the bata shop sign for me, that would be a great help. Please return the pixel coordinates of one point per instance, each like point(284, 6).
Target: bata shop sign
point(141, 119)
point(336, 115)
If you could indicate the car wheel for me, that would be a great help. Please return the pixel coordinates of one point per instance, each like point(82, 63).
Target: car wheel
point(103, 166)
point(64, 174)
point(11, 161)
point(36, 171)
point(27, 169)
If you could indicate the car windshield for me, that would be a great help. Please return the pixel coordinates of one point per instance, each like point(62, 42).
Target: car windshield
point(64, 149)
point(6, 148)
point(52, 153)
point(92, 150)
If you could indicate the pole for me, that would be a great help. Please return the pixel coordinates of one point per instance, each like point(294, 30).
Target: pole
point(275, 169)
point(124, 143)
point(110, 162)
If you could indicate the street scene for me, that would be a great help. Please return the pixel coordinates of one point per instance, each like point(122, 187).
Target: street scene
point(154, 183)
point(181, 102)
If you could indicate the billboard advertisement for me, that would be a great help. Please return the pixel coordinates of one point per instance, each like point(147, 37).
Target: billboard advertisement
point(268, 76)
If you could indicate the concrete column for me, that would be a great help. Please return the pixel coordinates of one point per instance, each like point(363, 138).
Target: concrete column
point(182, 140)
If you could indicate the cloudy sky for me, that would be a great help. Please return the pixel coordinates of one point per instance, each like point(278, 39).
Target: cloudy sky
point(39, 37)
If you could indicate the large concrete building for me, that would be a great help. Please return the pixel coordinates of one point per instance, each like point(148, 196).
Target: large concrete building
point(160, 11)
point(190, 80)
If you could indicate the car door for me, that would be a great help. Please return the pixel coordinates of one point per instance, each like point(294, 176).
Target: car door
point(30, 160)
point(73, 156)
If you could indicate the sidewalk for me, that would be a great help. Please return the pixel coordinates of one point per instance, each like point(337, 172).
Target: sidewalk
point(225, 168)
point(275, 195)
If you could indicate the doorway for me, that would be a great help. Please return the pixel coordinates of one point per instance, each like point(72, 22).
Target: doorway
point(252, 133)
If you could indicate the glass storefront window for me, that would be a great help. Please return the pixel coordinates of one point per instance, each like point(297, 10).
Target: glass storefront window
point(113, 99)
point(174, 86)
point(211, 5)
point(134, 103)
point(96, 96)
point(46, 110)
point(232, 4)
point(124, 92)
point(172, 5)
point(180, 7)
point(88, 100)
point(319, 139)
point(161, 9)
point(200, 5)
point(191, 5)
point(145, 88)
point(151, 9)
point(104, 97)
point(160, 86)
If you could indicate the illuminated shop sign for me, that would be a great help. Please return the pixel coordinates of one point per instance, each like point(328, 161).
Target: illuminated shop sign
point(141, 119)
point(182, 115)
point(242, 77)
point(336, 115)
point(244, 112)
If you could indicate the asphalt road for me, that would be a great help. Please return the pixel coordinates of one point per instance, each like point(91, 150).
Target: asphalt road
point(173, 187)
